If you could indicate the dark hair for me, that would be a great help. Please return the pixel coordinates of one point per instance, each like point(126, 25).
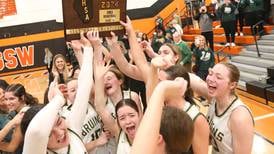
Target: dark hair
point(73, 71)
point(46, 99)
point(177, 130)
point(3, 84)
point(179, 71)
point(20, 92)
point(126, 102)
point(28, 116)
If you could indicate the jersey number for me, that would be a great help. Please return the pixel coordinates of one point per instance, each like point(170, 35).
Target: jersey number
point(95, 135)
point(215, 145)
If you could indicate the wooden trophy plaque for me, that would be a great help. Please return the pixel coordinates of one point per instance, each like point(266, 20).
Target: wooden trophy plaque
point(85, 15)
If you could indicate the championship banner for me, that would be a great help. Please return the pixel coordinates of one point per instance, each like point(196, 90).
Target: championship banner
point(85, 15)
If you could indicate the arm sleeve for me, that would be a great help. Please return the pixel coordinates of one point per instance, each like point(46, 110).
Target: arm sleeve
point(85, 83)
point(188, 54)
point(37, 134)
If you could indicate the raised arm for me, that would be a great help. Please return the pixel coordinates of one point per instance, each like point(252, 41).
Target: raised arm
point(198, 85)
point(148, 49)
point(100, 96)
point(85, 83)
point(37, 134)
point(120, 60)
point(150, 125)
point(14, 143)
point(10, 125)
point(16, 136)
point(76, 46)
point(136, 51)
point(156, 64)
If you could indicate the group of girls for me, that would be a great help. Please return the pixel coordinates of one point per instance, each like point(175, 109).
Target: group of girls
point(92, 113)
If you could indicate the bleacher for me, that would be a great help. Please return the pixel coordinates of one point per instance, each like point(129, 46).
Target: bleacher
point(257, 73)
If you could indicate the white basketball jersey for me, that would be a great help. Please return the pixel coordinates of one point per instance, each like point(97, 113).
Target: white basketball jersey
point(75, 145)
point(191, 110)
point(92, 127)
point(111, 106)
point(221, 137)
point(123, 144)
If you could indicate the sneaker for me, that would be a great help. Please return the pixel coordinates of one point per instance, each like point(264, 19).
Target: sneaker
point(233, 44)
point(227, 44)
point(236, 34)
point(241, 34)
point(218, 26)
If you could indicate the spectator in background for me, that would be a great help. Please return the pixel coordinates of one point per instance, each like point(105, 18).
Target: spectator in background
point(59, 71)
point(159, 23)
point(272, 12)
point(239, 17)
point(177, 26)
point(252, 10)
point(169, 31)
point(217, 4)
point(228, 19)
point(158, 40)
point(184, 50)
point(205, 22)
point(204, 58)
point(260, 12)
point(48, 59)
point(145, 37)
point(177, 17)
point(71, 56)
point(194, 47)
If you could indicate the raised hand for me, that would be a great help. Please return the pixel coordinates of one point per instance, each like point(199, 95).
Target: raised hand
point(112, 40)
point(102, 139)
point(75, 45)
point(93, 37)
point(85, 42)
point(148, 49)
point(17, 119)
point(128, 25)
point(159, 62)
point(173, 88)
point(101, 67)
point(56, 89)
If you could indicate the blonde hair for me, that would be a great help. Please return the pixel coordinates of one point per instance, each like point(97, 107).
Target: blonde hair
point(204, 45)
point(175, 49)
point(65, 69)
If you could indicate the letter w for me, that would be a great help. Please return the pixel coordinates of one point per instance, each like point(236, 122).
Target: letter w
point(25, 56)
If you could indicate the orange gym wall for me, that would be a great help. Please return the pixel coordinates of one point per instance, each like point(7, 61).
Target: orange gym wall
point(147, 24)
